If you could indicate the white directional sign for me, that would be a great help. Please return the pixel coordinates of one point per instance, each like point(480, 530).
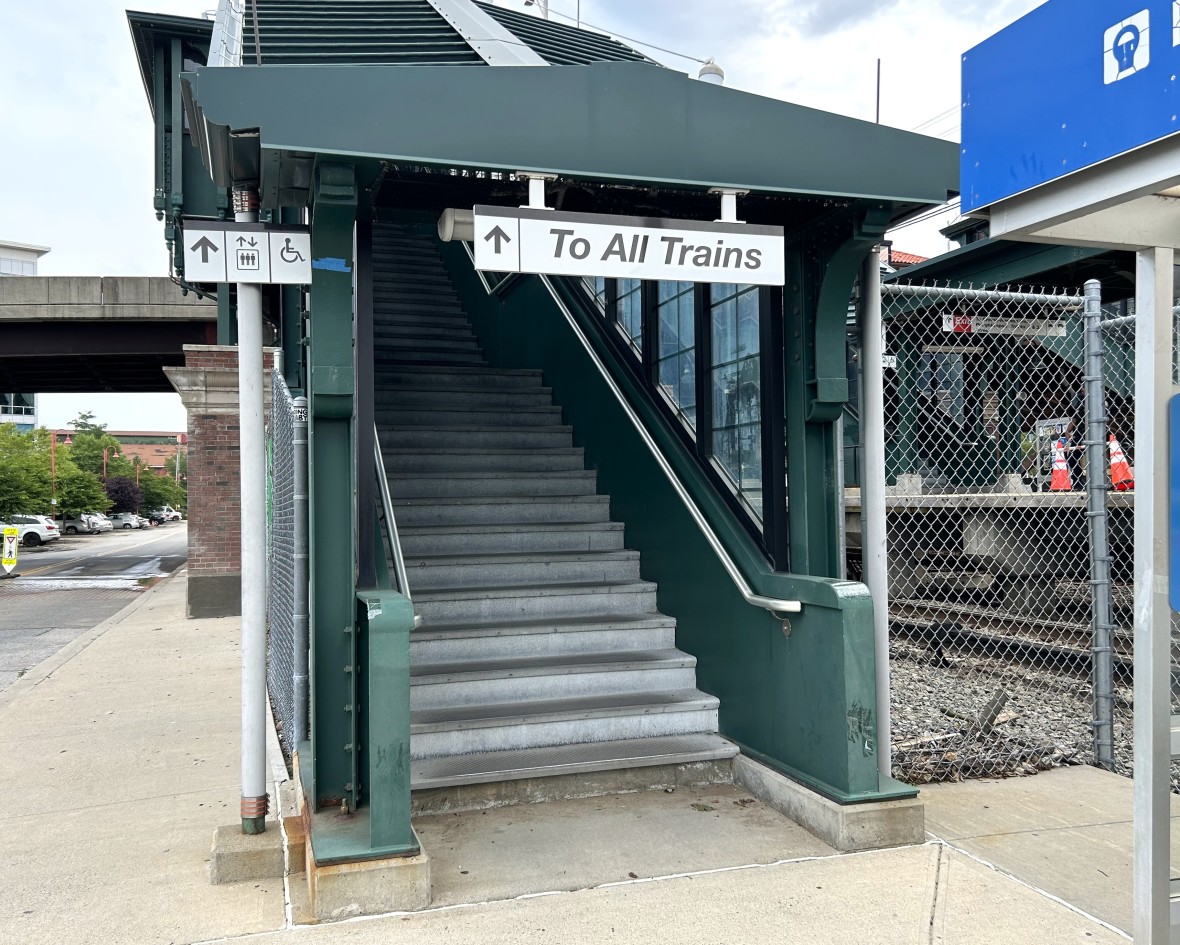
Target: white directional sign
point(588, 244)
point(11, 541)
point(224, 251)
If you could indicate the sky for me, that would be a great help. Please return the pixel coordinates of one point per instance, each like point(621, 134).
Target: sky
point(76, 165)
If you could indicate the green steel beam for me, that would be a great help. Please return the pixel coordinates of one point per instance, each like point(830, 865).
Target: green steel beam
point(608, 121)
point(335, 660)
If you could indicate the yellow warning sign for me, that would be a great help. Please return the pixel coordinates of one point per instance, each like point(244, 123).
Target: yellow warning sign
point(11, 543)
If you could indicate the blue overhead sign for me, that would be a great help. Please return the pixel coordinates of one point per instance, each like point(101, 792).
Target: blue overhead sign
point(1071, 84)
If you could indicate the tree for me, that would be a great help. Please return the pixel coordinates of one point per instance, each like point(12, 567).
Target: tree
point(25, 483)
point(79, 492)
point(159, 491)
point(89, 443)
point(124, 494)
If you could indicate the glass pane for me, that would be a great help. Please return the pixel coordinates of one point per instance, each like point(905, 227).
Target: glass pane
point(748, 341)
point(724, 332)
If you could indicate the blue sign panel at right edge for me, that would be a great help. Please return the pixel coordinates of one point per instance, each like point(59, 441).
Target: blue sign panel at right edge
point(1071, 84)
point(1174, 503)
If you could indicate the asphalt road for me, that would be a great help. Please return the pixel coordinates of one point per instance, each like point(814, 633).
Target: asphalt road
point(70, 585)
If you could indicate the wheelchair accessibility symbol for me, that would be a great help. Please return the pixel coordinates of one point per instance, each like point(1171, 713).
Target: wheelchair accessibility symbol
point(289, 254)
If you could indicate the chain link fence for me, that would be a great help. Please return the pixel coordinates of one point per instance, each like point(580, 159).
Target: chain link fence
point(1010, 440)
point(286, 588)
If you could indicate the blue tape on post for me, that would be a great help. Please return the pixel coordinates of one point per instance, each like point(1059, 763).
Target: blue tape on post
point(1174, 503)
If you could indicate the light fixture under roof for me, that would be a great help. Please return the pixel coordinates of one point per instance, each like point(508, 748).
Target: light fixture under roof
point(712, 73)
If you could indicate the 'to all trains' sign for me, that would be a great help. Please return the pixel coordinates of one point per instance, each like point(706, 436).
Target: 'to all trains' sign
point(588, 244)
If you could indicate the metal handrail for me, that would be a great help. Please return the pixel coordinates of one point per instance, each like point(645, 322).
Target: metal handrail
point(779, 607)
point(395, 544)
point(776, 606)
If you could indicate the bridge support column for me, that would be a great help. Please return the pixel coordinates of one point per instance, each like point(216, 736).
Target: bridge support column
point(208, 387)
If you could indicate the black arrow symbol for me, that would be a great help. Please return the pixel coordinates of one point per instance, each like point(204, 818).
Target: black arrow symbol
point(253, 242)
point(500, 237)
point(204, 244)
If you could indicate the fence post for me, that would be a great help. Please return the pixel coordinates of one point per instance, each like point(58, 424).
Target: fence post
point(1096, 489)
point(872, 491)
point(300, 642)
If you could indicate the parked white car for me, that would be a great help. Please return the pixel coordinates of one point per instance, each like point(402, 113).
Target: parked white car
point(128, 520)
point(35, 529)
point(170, 514)
point(101, 522)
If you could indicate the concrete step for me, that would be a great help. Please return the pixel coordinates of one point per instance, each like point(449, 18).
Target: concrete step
point(502, 510)
point(411, 296)
point(543, 415)
point(419, 321)
point(496, 766)
point(429, 332)
point(534, 602)
point(568, 676)
point(518, 639)
point(460, 459)
point(467, 396)
point(427, 376)
point(518, 725)
point(540, 437)
point(384, 360)
point(534, 538)
point(442, 572)
point(468, 485)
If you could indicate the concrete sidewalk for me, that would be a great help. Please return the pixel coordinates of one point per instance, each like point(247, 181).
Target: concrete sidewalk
point(121, 756)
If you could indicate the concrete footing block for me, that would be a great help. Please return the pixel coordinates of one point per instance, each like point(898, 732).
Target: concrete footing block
point(238, 857)
point(368, 887)
point(847, 827)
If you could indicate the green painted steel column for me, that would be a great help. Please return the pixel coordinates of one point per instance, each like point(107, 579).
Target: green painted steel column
point(816, 316)
point(902, 450)
point(1008, 424)
point(331, 386)
point(292, 319)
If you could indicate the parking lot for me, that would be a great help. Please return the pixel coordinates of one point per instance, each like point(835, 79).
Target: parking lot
point(67, 586)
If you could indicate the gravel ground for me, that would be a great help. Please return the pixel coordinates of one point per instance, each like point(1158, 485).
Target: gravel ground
point(1044, 722)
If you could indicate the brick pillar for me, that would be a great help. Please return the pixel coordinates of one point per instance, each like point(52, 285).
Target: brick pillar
point(208, 387)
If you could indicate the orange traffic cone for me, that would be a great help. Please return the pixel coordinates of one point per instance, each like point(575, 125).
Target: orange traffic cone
point(1121, 475)
point(1059, 479)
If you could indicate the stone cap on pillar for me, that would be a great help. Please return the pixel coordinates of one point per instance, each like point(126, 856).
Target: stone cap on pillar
point(208, 382)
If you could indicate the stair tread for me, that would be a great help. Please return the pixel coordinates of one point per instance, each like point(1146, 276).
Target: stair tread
point(519, 557)
point(482, 767)
point(479, 428)
point(417, 530)
point(548, 710)
point(485, 628)
point(548, 664)
point(500, 500)
point(537, 590)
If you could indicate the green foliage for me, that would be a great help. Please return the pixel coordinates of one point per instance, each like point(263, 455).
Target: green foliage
point(24, 471)
point(79, 492)
point(159, 491)
point(29, 470)
point(89, 441)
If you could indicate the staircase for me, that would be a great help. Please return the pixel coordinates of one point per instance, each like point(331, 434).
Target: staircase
point(541, 651)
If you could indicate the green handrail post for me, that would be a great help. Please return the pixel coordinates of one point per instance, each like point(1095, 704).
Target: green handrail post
point(385, 619)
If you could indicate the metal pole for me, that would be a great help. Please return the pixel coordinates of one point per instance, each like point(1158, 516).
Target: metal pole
point(301, 662)
point(252, 458)
point(1151, 788)
point(1096, 489)
point(872, 491)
